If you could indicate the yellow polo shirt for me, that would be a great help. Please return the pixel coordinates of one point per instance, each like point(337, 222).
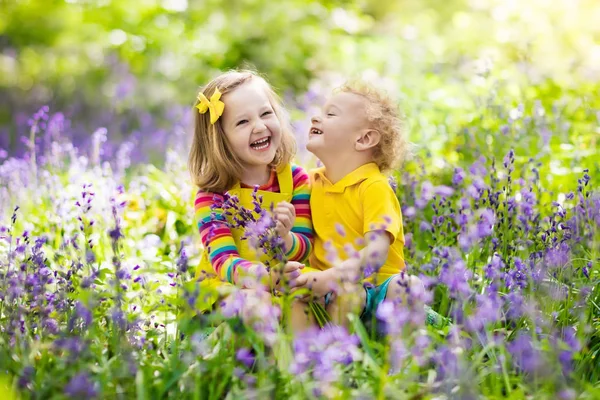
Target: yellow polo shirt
point(360, 202)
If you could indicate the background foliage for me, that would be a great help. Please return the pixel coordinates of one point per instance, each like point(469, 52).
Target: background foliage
point(500, 200)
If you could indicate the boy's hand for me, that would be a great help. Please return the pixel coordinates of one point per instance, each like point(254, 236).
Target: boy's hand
point(285, 214)
point(290, 271)
point(319, 283)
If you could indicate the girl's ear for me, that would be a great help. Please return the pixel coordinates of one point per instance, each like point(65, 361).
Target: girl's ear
point(367, 140)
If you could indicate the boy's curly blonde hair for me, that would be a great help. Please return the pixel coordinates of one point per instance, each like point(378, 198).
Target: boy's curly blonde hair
point(385, 117)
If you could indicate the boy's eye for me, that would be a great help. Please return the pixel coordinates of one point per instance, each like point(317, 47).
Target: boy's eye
point(330, 114)
point(267, 113)
point(241, 122)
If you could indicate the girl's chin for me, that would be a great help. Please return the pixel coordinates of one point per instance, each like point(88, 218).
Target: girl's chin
point(261, 158)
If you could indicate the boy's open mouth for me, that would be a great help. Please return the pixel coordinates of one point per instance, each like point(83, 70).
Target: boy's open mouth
point(315, 131)
point(261, 144)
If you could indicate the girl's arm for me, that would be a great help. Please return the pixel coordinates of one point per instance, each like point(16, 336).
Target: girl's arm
point(300, 240)
point(218, 240)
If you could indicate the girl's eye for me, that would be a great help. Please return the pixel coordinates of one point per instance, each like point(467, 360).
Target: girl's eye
point(267, 113)
point(330, 114)
point(241, 122)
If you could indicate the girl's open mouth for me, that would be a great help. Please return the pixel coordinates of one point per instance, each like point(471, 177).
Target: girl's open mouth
point(261, 144)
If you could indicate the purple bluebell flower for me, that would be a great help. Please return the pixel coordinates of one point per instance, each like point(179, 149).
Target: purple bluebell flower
point(80, 386)
point(524, 354)
point(74, 345)
point(567, 394)
point(456, 277)
point(458, 177)
point(182, 261)
point(81, 318)
point(245, 356)
point(444, 191)
point(51, 326)
point(488, 311)
point(446, 362)
point(427, 192)
point(393, 183)
point(324, 351)
point(26, 377)
point(559, 256)
point(122, 274)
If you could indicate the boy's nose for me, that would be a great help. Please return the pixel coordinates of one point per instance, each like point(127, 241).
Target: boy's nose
point(315, 119)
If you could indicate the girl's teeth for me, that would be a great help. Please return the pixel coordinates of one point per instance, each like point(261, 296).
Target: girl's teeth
point(260, 144)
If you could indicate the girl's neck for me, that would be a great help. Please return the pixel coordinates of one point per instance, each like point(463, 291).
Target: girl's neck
point(256, 175)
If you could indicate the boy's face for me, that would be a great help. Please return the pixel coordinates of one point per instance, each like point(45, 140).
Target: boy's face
point(335, 131)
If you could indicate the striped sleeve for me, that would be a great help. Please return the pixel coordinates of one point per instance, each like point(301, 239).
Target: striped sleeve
point(216, 236)
point(302, 231)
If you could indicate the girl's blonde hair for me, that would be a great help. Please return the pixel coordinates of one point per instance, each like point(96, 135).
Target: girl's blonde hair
point(212, 163)
point(384, 115)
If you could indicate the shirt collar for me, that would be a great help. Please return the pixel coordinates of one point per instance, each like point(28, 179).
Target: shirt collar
point(358, 175)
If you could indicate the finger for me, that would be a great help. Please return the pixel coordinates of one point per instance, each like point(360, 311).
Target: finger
point(291, 209)
point(283, 207)
point(279, 228)
point(285, 220)
point(282, 226)
point(286, 207)
point(298, 283)
point(292, 266)
point(285, 204)
point(292, 275)
point(283, 214)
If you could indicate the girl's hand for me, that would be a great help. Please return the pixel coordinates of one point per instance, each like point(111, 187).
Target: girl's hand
point(254, 277)
point(285, 214)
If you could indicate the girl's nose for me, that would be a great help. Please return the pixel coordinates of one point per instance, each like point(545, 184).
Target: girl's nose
point(315, 119)
point(259, 126)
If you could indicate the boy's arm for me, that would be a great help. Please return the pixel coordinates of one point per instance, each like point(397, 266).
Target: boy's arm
point(367, 260)
point(218, 241)
point(382, 223)
point(371, 257)
point(299, 241)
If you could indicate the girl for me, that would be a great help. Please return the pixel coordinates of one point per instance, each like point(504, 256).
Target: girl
point(242, 140)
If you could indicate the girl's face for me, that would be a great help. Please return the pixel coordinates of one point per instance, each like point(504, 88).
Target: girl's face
point(250, 124)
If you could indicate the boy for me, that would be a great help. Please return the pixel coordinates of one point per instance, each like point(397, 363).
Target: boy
point(357, 135)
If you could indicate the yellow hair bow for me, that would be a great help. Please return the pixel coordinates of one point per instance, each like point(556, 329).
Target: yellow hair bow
point(215, 105)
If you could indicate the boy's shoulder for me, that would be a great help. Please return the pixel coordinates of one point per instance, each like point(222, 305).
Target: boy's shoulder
point(364, 175)
point(376, 182)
